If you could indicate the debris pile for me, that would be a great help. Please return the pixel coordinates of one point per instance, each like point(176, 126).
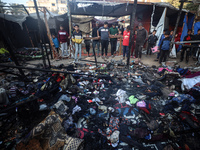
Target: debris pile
point(110, 107)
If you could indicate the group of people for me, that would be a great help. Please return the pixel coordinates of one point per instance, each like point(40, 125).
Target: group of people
point(102, 35)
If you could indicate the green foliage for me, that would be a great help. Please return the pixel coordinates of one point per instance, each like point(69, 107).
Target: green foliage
point(175, 3)
point(191, 7)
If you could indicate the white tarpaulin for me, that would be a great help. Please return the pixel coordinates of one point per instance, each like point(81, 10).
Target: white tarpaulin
point(173, 52)
point(160, 26)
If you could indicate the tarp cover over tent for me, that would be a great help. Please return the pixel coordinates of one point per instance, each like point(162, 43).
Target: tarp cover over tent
point(111, 9)
point(21, 29)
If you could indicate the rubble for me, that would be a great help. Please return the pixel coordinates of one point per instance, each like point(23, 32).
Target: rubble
point(109, 107)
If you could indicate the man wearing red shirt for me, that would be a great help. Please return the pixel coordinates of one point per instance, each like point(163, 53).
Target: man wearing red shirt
point(126, 36)
point(186, 48)
point(62, 38)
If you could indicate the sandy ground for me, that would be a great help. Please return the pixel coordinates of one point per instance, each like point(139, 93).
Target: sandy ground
point(147, 60)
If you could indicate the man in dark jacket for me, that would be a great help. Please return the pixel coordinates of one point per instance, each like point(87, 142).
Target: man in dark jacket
point(186, 48)
point(141, 37)
point(94, 34)
point(151, 42)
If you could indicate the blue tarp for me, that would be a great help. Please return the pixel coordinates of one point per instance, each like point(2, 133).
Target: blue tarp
point(196, 27)
point(184, 32)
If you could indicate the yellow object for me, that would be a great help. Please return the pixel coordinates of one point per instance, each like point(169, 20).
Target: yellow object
point(78, 41)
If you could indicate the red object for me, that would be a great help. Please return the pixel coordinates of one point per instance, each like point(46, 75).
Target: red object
point(62, 36)
point(126, 36)
point(188, 39)
point(178, 38)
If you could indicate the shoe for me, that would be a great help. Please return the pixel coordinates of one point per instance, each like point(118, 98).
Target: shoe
point(156, 60)
point(107, 57)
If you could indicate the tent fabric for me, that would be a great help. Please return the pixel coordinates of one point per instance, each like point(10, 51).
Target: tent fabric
point(160, 26)
point(190, 21)
point(14, 18)
point(84, 23)
point(196, 27)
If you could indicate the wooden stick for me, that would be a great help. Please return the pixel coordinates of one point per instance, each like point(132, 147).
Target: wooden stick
point(49, 33)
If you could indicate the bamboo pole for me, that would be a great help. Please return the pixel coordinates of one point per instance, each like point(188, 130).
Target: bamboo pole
point(120, 47)
point(49, 33)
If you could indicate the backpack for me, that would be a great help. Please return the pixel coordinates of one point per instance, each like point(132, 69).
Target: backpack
point(165, 45)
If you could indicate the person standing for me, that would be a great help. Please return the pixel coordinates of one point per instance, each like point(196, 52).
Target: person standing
point(113, 41)
point(94, 35)
point(118, 39)
point(62, 38)
point(126, 37)
point(77, 39)
point(134, 42)
point(55, 42)
point(141, 37)
point(164, 47)
point(151, 42)
point(103, 33)
point(87, 44)
point(162, 37)
point(186, 48)
point(171, 34)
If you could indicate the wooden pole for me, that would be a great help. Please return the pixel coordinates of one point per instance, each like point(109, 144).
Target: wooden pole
point(177, 22)
point(132, 32)
point(49, 33)
point(40, 32)
point(120, 47)
point(70, 23)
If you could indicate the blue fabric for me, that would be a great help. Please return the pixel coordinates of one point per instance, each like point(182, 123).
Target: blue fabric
point(183, 97)
point(182, 71)
point(190, 21)
point(196, 27)
point(56, 42)
point(165, 45)
point(162, 37)
point(184, 32)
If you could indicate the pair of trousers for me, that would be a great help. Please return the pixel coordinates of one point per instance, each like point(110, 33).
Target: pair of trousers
point(87, 48)
point(77, 50)
point(113, 44)
point(118, 45)
point(125, 51)
point(149, 51)
point(132, 49)
point(104, 46)
point(63, 48)
point(94, 43)
point(163, 55)
point(187, 49)
point(138, 50)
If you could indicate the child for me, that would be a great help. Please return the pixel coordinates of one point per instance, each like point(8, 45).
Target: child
point(77, 39)
point(164, 47)
point(186, 48)
point(126, 36)
point(151, 42)
point(55, 42)
point(87, 44)
point(62, 37)
point(118, 39)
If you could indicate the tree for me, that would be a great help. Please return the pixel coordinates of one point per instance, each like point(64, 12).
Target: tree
point(17, 10)
point(191, 7)
point(1, 8)
point(175, 3)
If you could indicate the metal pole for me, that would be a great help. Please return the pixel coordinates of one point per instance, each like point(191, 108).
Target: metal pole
point(69, 17)
point(40, 32)
point(177, 22)
point(132, 33)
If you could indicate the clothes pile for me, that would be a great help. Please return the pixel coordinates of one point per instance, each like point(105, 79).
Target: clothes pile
point(109, 107)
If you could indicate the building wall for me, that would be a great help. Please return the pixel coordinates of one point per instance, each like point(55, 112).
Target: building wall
point(59, 6)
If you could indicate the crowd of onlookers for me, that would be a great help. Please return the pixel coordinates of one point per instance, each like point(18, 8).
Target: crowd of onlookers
point(116, 35)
